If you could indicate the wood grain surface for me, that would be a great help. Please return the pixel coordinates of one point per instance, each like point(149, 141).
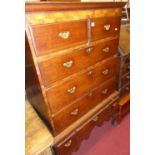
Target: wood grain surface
point(53, 69)
point(83, 105)
point(58, 95)
point(47, 38)
point(37, 136)
point(65, 6)
point(99, 31)
point(54, 31)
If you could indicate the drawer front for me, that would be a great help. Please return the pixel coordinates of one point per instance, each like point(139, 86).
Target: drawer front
point(125, 80)
point(67, 146)
point(62, 66)
point(52, 37)
point(77, 85)
point(103, 27)
point(74, 111)
point(104, 115)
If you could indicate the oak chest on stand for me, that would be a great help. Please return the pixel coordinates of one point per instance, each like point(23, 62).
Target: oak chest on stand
point(72, 67)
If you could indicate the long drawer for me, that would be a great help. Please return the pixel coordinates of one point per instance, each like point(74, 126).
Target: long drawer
point(62, 66)
point(51, 37)
point(76, 110)
point(103, 27)
point(68, 146)
point(66, 91)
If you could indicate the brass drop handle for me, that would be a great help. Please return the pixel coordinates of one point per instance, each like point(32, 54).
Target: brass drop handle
point(75, 112)
point(68, 64)
point(107, 27)
point(68, 143)
point(95, 119)
point(90, 72)
point(64, 35)
point(106, 50)
point(105, 72)
point(105, 91)
point(89, 50)
point(71, 90)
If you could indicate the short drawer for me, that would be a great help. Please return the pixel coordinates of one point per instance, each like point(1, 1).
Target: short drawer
point(103, 27)
point(51, 37)
point(66, 91)
point(62, 66)
point(125, 79)
point(76, 110)
point(67, 146)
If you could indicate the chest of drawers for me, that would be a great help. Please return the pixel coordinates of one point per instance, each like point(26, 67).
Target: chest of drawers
point(71, 66)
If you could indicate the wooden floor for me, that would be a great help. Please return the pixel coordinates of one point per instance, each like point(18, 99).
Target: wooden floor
point(38, 138)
